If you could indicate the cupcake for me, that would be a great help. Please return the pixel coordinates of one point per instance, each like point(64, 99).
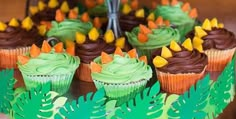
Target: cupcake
point(54, 65)
point(148, 38)
point(89, 46)
point(16, 39)
point(216, 41)
point(121, 74)
point(178, 67)
point(181, 15)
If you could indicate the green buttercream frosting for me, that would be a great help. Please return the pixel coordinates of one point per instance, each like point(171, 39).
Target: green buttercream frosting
point(50, 64)
point(122, 70)
point(158, 38)
point(67, 29)
point(98, 11)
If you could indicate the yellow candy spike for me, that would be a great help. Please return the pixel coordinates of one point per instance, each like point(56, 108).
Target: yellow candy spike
point(120, 42)
point(80, 38)
point(27, 23)
point(197, 41)
point(14, 22)
point(175, 46)
point(33, 10)
point(42, 29)
point(159, 62)
point(53, 3)
point(165, 52)
point(188, 44)
point(206, 25)
point(221, 25)
point(109, 36)
point(151, 17)
point(199, 32)
point(93, 34)
point(41, 5)
point(199, 48)
point(126, 9)
point(65, 7)
point(214, 23)
point(3, 26)
point(140, 13)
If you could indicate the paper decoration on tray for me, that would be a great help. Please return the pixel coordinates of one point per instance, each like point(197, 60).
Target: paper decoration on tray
point(206, 99)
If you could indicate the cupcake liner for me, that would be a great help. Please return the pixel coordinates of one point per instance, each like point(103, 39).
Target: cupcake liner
point(83, 73)
point(59, 83)
point(8, 57)
point(218, 59)
point(178, 83)
point(121, 92)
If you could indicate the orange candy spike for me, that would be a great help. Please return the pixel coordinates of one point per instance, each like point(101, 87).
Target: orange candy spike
point(165, 2)
point(134, 4)
point(58, 47)
point(144, 59)
point(34, 51)
point(186, 7)
point(95, 68)
point(23, 59)
point(132, 53)
point(71, 50)
point(193, 13)
point(46, 48)
point(97, 23)
point(118, 51)
point(105, 58)
point(154, 4)
point(167, 22)
point(174, 2)
point(152, 25)
point(100, 2)
point(144, 29)
point(90, 3)
point(73, 14)
point(60, 16)
point(142, 38)
point(85, 17)
point(159, 20)
point(124, 1)
point(48, 24)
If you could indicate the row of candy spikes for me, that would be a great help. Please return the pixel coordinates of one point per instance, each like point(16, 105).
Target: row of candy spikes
point(200, 31)
point(46, 48)
point(106, 58)
point(188, 44)
point(93, 35)
point(51, 4)
point(145, 30)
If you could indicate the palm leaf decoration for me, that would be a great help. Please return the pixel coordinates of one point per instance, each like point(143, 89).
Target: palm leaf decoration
point(222, 91)
point(91, 107)
point(146, 105)
point(190, 105)
point(37, 103)
point(7, 83)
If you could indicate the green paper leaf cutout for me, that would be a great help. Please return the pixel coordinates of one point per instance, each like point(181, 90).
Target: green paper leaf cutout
point(146, 105)
point(170, 99)
point(34, 104)
point(222, 91)
point(91, 106)
point(190, 105)
point(7, 83)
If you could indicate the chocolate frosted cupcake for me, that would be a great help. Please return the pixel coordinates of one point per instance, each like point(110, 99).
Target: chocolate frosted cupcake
point(216, 41)
point(16, 39)
point(179, 67)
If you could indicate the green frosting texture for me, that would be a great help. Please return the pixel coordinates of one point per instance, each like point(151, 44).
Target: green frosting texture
point(67, 29)
point(50, 63)
point(122, 70)
point(158, 38)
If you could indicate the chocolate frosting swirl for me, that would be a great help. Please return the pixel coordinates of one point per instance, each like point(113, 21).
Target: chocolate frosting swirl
point(88, 51)
point(14, 37)
point(217, 38)
point(183, 61)
point(48, 14)
point(129, 21)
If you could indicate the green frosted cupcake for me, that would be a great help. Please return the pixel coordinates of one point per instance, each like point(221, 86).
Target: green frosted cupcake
point(122, 75)
point(52, 65)
point(179, 14)
point(146, 39)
